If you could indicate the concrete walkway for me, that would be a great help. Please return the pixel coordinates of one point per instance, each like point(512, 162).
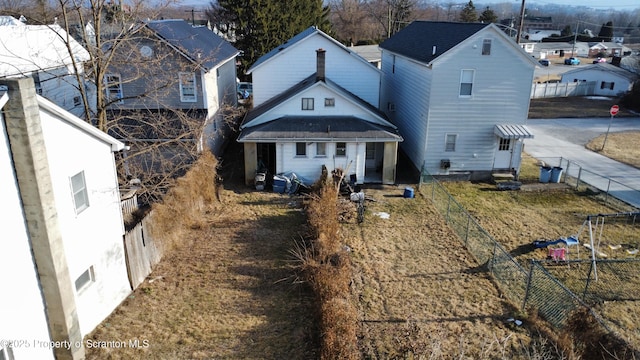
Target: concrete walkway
point(555, 138)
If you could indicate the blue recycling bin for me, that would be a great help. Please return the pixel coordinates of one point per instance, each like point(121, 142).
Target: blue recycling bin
point(556, 173)
point(545, 174)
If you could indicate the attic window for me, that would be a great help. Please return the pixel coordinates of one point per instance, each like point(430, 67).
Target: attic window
point(486, 47)
point(307, 103)
point(187, 87)
point(329, 102)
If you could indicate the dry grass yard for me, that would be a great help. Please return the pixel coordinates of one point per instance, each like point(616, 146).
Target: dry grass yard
point(573, 107)
point(228, 286)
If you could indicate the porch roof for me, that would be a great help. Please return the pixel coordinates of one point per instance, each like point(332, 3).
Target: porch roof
point(513, 131)
point(319, 128)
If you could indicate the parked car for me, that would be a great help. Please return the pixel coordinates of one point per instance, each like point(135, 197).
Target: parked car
point(572, 61)
point(599, 60)
point(544, 62)
point(245, 89)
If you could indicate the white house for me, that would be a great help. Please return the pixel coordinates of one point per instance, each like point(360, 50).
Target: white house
point(610, 80)
point(459, 94)
point(62, 191)
point(290, 63)
point(317, 121)
point(41, 52)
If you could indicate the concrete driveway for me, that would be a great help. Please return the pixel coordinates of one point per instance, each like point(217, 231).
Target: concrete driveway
point(555, 138)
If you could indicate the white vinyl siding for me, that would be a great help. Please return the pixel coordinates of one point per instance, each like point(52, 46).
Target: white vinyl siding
point(188, 87)
point(466, 82)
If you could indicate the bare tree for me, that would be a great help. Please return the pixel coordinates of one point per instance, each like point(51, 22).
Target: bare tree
point(163, 137)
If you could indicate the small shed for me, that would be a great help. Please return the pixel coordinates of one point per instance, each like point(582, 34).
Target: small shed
point(610, 79)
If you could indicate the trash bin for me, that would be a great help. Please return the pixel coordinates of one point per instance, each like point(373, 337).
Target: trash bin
point(556, 173)
point(408, 193)
point(545, 174)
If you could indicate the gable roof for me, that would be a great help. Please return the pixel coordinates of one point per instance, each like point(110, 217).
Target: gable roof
point(605, 67)
point(28, 48)
point(310, 31)
point(301, 86)
point(196, 42)
point(418, 40)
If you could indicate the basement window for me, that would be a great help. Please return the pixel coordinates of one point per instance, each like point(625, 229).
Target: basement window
point(85, 279)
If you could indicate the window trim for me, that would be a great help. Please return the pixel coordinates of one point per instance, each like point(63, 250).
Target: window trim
point(486, 47)
point(450, 146)
point(462, 78)
point(90, 276)
point(307, 104)
point(342, 153)
point(79, 191)
point(112, 84)
point(186, 97)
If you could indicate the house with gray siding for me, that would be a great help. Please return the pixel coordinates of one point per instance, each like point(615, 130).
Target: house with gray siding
point(459, 95)
point(610, 80)
point(170, 65)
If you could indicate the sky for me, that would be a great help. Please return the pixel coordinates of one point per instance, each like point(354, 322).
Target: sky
point(620, 5)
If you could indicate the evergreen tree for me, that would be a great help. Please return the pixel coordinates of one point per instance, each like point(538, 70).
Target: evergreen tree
point(566, 31)
point(488, 16)
point(468, 13)
point(258, 26)
point(606, 31)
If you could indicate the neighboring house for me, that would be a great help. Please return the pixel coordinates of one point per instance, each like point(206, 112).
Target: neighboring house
point(63, 254)
point(608, 49)
point(370, 52)
point(318, 122)
point(174, 65)
point(538, 35)
point(290, 63)
point(610, 80)
point(40, 51)
point(459, 94)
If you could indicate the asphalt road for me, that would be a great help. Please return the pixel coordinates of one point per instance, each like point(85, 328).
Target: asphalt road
point(565, 138)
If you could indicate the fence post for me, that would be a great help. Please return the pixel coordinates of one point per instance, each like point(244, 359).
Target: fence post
point(448, 207)
point(578, 180)
point(493, 257)
point(566, 171)
point(586, 285)
point(606, 196)
point(528, 288)
point(466, 233)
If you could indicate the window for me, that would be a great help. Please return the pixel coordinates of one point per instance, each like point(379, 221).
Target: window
point(341, 149)
point(80, 193)
point(114, 87)
point(307, 103)
point(329, 102)
point(188, 87)
point(505, 145)
point(86, 278)
point(450, 142)
point(391, 107)
point(76, 101)
point(301, 149)
point(466, 82)
point(321, 149)
point(606, 85)
point(486, 47)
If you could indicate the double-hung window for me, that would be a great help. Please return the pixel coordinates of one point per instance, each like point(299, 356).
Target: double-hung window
point(301, 149)
point(321, 149)
point(486, 47)
point(114, 87)
point(307, 103)
point(188, 87)
point(80, 193)
point(450, 142)
point(466, 82)
point(341, 149)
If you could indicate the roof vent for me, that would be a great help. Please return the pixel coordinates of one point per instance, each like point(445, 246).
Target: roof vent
point(433, 51)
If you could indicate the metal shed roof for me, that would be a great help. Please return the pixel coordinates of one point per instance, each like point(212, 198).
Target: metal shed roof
point(513, 131)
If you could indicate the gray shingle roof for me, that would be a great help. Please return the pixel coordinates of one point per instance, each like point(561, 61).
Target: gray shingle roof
point(199, 43)
point(417, 40)
point(319, 128)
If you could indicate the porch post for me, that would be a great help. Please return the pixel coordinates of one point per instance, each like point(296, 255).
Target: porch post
point(389, 163)
point(250, 161)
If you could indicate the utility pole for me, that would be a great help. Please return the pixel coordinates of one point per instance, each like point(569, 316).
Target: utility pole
point(575, 38)
point(193, 17)
point(521, 25)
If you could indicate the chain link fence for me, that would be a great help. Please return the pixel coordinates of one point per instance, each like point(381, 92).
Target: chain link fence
point(533, 287)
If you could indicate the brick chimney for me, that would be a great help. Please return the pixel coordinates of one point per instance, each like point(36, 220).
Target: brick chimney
point(320, 63)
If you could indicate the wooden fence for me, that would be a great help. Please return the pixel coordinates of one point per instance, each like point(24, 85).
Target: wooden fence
point(141, 251)
point(581, 88)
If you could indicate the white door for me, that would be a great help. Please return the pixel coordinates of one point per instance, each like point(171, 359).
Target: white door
point(504, 154)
